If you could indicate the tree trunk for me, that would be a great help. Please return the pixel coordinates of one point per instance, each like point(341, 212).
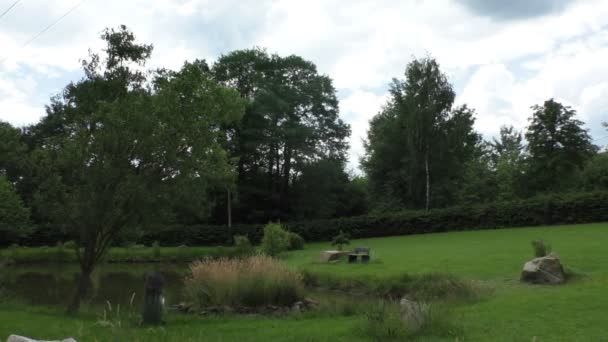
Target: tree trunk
point(428, 180)
point(84, 284)
point(229, 208)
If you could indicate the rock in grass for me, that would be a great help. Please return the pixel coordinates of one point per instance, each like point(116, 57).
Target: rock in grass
point(17, 338)
point(544, 270)
point(327, 256)
point(414, 314)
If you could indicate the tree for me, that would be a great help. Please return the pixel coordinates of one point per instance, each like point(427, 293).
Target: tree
point(324, 190)
point(418, 145)
point(291, 120)
point(14, 216)
point(508, 160)
point(122, 150)
point(558, 147)
point(12, 151)
point(595, 174)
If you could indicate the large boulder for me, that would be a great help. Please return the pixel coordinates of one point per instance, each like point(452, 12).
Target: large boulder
point(544, 270)
point(329, 256)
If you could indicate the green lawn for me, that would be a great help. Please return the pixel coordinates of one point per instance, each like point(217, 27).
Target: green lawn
point(510, 311)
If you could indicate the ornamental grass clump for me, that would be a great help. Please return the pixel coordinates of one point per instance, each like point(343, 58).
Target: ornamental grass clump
point(250, 282)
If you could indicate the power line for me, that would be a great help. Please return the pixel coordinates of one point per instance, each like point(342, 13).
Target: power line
point(53, 24)
point(72, 9)
point(9, 8)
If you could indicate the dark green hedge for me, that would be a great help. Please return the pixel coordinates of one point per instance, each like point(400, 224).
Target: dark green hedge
point(544, 210)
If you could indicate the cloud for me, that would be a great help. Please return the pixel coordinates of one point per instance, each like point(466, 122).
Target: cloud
point(514, 9)
point(499, 65)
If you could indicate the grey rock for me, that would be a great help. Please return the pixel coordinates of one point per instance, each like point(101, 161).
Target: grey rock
point(544, 270)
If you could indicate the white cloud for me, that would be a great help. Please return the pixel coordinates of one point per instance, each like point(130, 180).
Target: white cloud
point(500, 68)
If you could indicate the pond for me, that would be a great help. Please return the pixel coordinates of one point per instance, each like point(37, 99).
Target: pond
point(54, 284)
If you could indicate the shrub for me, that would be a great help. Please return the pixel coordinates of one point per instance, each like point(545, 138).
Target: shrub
point(382, 322)
point(251, 282)
point(296, 242)
point(541, 248)
point(243, 247)
point(340, 240)
point(69, 244)
point(275, 240)
point(541, 210)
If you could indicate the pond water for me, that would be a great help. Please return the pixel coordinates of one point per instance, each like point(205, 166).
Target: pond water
point(54, 284)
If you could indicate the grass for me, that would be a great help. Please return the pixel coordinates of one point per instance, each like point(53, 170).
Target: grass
point(251, 282)
point(492, 259)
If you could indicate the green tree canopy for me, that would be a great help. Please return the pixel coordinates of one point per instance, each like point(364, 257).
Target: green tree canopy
point(418, 145)
point(558, 147)
point(122, 151)
point(14, 216)
point(291, 120)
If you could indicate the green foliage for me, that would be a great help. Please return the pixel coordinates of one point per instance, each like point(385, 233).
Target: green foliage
point(243, 246)
point(275, 240)
point(559, 148)
point(341, 240)
point(296, 242)
point(418, 144)
point(250, 282)
point(291, 119)
point(595, 174)
point(14, 216)
point(147, 139)
point(541, 248)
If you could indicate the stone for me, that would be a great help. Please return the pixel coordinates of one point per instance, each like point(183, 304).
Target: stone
point(544, 270)
point(328, 256)
point(414, 314)
point(17, 338)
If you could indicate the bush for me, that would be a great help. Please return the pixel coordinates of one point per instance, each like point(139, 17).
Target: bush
point(70, 244)
point(542, 210)
point(243, 247)
point(275, 240)
point(250, 282)
point(296, 242)
point(541, 248)
point(340, 240)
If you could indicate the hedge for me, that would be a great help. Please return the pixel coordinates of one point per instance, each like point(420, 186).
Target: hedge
point(543, 210)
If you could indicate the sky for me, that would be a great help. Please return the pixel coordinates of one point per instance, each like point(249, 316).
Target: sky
point(502, 57)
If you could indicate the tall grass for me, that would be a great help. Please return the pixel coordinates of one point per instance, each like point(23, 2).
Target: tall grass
point(250, 282)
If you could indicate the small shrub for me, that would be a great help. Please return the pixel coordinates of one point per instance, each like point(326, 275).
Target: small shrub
point(251, 282)
point(275, 240)
point(242, 246)
point(296, 242)
point(541, 248)
point(340, 240)
point(71, 244)
point(156, 249)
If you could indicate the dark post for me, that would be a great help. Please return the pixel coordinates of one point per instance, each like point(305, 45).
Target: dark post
point(153, 298)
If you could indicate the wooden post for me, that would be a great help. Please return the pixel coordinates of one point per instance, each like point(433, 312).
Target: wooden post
point(153, 299)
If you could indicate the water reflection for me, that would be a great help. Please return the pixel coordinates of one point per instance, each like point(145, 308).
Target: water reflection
point(55, 284)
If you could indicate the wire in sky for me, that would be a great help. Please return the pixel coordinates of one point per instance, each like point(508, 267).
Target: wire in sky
point(9, 8)
point(53, 23)
point(72, 9)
